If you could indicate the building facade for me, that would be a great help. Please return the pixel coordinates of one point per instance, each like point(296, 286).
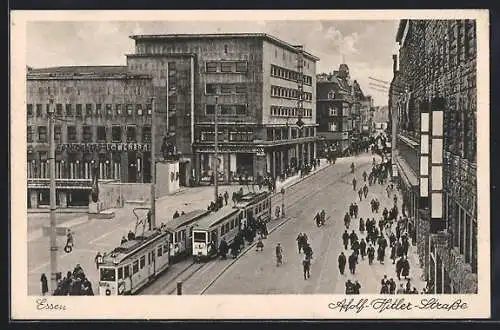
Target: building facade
point(366, 115)
point(436, 79)
point(338, 108)
point(264, 90)
point(103, 119)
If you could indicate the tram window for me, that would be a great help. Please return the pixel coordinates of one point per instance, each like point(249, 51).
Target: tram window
point(108, 274)
point(143, 261)
point(171, 238)
point(183, 235)
point(227, 227)
point(126, 271)
point(232, 224)
point(149, 258)
point(135, 267)
point(160, 252)
point(165, 248)
point(222, 230)
point(191, 232)
point(199, 237)
point(120, 273)
point(241, 216)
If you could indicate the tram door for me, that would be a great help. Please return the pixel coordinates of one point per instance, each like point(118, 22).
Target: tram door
point(250, 216)
point(151, 261)
point(214, 237)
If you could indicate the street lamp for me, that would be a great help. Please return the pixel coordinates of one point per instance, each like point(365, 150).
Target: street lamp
point(216, 153)
point(282, 202)
point(52, 164)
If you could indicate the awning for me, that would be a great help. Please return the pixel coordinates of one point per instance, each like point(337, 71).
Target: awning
point(406, 172)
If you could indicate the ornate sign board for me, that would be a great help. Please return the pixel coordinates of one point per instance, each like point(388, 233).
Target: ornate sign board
point(259, 151)
point(103, 147)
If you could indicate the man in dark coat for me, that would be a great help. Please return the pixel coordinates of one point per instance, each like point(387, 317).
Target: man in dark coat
point(399, 267)
point(405, 245)
point(371, 253)
point(356, 287)
point(347, 220)
point(354, 184)
point(45, 287)
point(360, 194)
point(342, 261)
point(393, 253)
point(364, 176)
point(223, 248)
point(345, 239)
point(356, 209)
point(353, 237)
point(300, 241)
point(365, 190)
point(352, 263)
point(405, 268)
point(361, 225)
point(362, 248)
point(306, 264)
point(380, 254)
point(392, 286)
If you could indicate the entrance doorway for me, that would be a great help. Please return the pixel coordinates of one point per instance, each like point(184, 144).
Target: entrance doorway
point(182, 174)
point(146, 167)
point(132, 167)
point(78, 198)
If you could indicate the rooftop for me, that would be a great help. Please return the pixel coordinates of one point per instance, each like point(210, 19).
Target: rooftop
point(82, 71)
point(265, 36)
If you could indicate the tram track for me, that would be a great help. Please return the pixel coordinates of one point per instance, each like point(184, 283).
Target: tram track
point(292, 206)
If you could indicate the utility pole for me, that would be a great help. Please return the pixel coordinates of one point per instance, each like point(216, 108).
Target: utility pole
point(216, 157)
point(52, 164)
point(153, 165)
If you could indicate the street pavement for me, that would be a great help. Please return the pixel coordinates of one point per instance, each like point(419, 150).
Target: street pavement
point(92, 236)
point(256, 272)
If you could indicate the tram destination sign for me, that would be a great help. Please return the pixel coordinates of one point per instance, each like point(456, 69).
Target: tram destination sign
point(100, 147)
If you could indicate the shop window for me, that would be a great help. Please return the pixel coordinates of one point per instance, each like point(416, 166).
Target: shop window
point(29, 133)
point(241, 109)
point(72, 137)
point(146, 134)
point(29, 110)
point(87, 133)
point(241, 67)
point(78, 111)
point(131, 134)
point(139, 109)
point(42, 134)
point(116, 133)
point(226, 67)
point(211, 88)
point(57, 134)
point(59, 110)
point(211, 66)
point(226, 89)
point(88, 110)
point(101, 133)
point(98, 109)
point(39, 112)
point(210, 109)
point(241, 89)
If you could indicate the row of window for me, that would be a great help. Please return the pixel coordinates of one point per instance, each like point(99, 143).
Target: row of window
point(131, 269)
point(225, 88)
point(91, 109)
point(285, 133)
point(156, 65)
point(47, 91)
point(87, 134)
point(227, 109)
point(229, 226)
point(288, 74)
point(227, 135)
point(289, 93)
point(289, 112)
point(226, 66)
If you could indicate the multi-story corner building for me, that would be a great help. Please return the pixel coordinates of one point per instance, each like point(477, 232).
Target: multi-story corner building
point(261, 87)
point(103, 117)
point(336, 103)
point(366, 115)
point(437, 72)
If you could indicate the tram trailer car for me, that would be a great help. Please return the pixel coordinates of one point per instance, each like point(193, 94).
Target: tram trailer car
point(181, 233)
point(209, 231)
point(133, 264)
point(256, 205)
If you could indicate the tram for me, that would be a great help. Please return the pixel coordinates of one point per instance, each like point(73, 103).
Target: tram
point(133, 264)
point(255, 206)
point(209, 231)
point(181, 232)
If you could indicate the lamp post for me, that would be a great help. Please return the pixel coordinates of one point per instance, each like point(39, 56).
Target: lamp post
point(52, 164)
point(153, 165)
point(282, 202)
point(216, 154)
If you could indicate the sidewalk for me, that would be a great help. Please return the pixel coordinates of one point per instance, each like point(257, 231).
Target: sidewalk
point(95, 235)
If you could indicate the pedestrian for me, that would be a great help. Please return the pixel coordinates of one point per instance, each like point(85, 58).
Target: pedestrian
point(349, 287)
point(361, 225)
point(399, 268)
point(408, 286)
point(360, 194)
point(300, 241)
point(352, 263)
point(380, 254)
point(354, 184)
point(405, 268)
point(365, 190)
point(371, 253)
point(364, 176)
point(124, 240)
point(345, 239)
point(43, 281)
point(347, 220)
point(342, 262)
point(353, 237)
point(393, 253)
point(176, 215)
point(356, 287)
point(356, 209)
point(392, 286)
point(226, 196)
point(362, 248)
point(306, 264)
point(401, 290)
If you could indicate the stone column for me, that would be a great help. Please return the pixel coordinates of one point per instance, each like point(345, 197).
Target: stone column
point(34, 199)
point(197, 168)
point(63, 202)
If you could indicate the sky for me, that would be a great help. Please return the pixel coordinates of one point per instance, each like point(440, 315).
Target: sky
point(365, 46)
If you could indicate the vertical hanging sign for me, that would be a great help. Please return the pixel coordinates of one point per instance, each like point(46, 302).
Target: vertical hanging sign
point(424, 155)
point(436, 165)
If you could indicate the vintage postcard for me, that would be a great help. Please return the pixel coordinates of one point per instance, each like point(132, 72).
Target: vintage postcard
point(250, 164)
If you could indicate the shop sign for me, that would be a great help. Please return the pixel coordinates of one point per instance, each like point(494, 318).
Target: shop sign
point(100, 147)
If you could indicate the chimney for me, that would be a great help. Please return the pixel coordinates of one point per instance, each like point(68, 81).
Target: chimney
point(394, 63)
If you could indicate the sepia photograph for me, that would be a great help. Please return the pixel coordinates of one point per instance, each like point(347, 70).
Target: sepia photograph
point(189, 159)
